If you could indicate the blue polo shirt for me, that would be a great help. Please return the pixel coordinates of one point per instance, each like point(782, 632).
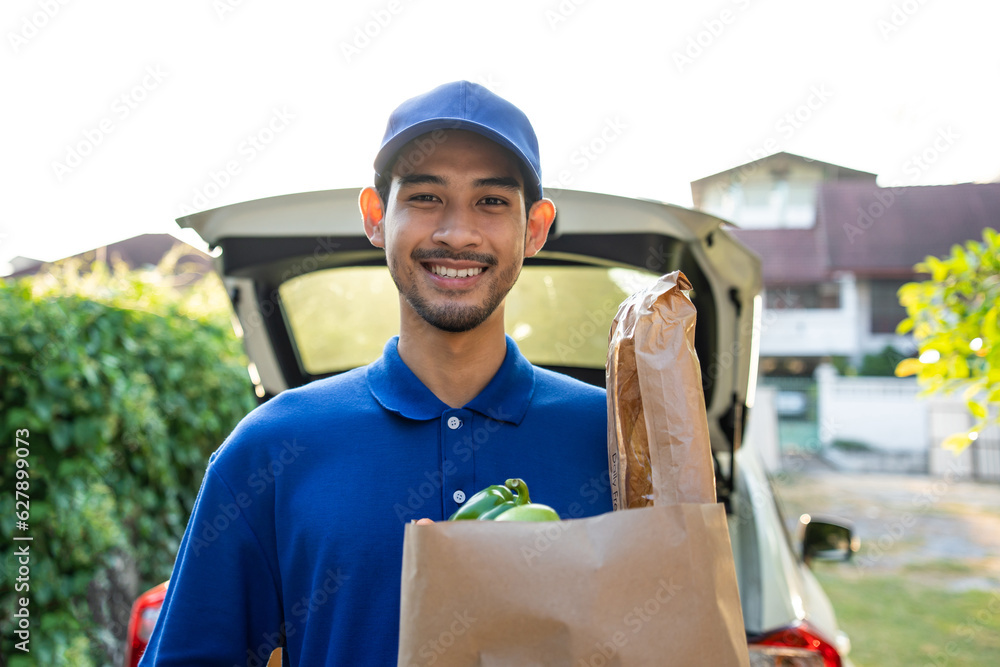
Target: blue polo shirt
point(297, 532)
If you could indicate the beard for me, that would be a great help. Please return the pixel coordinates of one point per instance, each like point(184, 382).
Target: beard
point(455, 317)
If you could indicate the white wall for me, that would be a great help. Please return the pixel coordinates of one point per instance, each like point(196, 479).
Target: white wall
point(882, 412)
point(808, 332)
point(888, 414)
point(820, 332)
point(814, 332)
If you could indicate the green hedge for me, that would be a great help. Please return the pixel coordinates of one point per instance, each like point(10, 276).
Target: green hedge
point(126, 384)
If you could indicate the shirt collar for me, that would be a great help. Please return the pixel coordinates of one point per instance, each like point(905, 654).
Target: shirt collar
point(505, 398)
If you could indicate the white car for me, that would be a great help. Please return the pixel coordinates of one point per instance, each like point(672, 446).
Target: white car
point(314, 298)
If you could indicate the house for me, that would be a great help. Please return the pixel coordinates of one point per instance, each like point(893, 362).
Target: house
point(835, 248)
point(143, 251)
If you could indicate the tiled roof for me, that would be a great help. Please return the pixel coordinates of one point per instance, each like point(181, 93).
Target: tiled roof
point(875, 232)
point(885, 231)
point(787, 255)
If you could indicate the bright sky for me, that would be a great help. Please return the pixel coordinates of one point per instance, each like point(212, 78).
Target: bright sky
point(122, 116)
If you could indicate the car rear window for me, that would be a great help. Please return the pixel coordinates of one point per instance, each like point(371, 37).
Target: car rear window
point(340, 318)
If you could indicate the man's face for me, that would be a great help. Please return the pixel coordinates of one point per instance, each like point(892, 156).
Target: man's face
point(454, 231)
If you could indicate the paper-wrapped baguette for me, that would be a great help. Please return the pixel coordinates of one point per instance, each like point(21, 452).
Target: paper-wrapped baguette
point(658, 443)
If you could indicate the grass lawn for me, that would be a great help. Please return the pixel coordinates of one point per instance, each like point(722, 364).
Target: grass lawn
point(895, 621)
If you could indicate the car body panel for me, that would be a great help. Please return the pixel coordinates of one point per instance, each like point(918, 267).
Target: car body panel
point(777, 589)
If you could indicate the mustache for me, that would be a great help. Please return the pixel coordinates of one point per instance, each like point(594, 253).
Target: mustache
point(425, 254)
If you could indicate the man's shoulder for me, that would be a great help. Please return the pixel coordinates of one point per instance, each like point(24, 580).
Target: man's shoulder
point(554, 386)
point(342, 385)
point(337, 392)
point(569, 410)
point(295, 411)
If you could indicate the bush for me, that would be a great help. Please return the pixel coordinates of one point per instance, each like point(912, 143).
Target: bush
point(125, 384)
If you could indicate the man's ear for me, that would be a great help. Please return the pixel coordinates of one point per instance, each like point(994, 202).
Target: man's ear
point(373, 216)
point(540, 218)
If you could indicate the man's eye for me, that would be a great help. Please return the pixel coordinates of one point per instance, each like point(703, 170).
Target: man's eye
point(493, 201)
point(423, 197)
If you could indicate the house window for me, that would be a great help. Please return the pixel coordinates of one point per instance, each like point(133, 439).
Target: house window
point(793, 297)
point(758, 210)
point(769, 204)
point(800, 207)
point(758, 195)
point(886, 309)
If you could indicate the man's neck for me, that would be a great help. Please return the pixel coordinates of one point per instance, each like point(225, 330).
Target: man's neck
point(454, 366)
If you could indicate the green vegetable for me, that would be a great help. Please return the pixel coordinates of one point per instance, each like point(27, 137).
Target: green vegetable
point(496, 511)
point(482, 502)
point(531, 512)
point(509, 502)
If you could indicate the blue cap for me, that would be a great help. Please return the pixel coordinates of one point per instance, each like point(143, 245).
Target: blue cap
point(462, 105)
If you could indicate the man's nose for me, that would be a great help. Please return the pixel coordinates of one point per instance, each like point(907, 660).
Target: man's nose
point(458, 228)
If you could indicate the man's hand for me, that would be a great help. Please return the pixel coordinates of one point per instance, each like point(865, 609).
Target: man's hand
point(424, 522)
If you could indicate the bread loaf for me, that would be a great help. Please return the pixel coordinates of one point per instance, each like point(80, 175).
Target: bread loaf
point(659, 450)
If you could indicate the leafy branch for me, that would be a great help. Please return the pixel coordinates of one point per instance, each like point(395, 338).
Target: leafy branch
point(955, 320)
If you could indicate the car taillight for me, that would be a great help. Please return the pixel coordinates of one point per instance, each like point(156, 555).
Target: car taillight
point(145, 611)
point(795, 646)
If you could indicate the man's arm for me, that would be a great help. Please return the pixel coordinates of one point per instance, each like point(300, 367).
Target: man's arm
point(223, 604)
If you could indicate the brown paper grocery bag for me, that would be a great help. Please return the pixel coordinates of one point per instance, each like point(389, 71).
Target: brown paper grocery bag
point(634, 588)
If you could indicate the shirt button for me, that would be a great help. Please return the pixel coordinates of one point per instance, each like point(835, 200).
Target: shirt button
point(459, 496)
point(453, 423)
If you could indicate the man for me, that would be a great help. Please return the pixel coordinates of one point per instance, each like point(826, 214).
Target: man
point(310, 558)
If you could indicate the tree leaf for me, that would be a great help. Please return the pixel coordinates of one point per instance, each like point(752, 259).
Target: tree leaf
point(909, 294)
point(958, 367)
point(991, 238)
point(977, 409)
point(939, 270)
point(956, 443)
point(974, 388)
point(908, 367)
point(991, 326)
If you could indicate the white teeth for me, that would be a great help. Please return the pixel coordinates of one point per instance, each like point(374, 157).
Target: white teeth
point(455, 273)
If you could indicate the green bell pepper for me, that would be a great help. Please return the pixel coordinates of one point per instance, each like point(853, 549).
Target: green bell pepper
point(492, 503)
point(482, 502)
point(530, 512)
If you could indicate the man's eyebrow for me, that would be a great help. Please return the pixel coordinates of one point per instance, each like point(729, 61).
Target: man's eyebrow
point(420, 179)
point(503, 182)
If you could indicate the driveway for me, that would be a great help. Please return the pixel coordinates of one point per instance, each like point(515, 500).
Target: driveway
point(943, 531)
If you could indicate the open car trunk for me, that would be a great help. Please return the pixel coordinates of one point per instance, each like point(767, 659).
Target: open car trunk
point(314, 298)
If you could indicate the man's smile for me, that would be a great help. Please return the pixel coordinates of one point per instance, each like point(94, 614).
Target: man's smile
point(451, 272)
point(454, 271)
